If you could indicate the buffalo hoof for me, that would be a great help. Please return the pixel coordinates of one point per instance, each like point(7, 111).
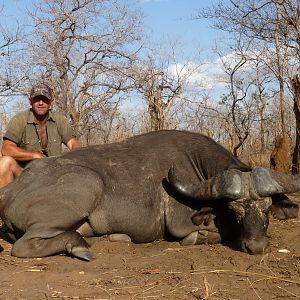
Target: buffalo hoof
point(119, 237)
point(209, 237)
point(190, 239)
point(201, 237)
point(80, 252)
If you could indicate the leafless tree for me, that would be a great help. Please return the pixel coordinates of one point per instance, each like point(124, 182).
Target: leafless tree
point(10, 79)
point(296, 91)
point(83, 49)
point(161, 81)
point(274, 24)
point(10, 41)
point(261, 81)
point(239, 101)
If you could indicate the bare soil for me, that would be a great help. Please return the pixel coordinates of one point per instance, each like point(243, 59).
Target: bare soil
point(160, 270)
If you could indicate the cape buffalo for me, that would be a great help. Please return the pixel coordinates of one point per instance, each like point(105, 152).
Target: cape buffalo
point(168, 184)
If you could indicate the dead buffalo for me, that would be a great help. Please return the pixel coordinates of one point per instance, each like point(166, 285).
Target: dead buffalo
point(168, 184)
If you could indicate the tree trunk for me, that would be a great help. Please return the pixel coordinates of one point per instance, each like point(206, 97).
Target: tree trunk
point(157, 110)
point(296, 152)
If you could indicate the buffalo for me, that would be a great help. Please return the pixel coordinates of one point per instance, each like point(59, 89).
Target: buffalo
point(177, 185)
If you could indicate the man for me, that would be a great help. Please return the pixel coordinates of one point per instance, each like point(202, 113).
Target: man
point(34, 133)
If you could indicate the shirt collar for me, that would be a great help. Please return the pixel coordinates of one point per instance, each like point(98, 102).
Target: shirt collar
point(30, 119)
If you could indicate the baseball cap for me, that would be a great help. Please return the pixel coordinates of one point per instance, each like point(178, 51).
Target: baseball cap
point(41, 89)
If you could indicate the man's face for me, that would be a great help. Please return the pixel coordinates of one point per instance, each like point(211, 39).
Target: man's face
point(40, 105)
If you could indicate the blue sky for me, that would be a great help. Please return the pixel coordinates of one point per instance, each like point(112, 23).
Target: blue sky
point(165, 19)
point(174, 19)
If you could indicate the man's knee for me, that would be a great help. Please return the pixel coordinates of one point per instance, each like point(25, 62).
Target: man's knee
point(6, 163)
point(9, 170)
point(9, 165)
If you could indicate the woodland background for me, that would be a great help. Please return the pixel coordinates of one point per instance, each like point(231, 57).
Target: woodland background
point(112, 80)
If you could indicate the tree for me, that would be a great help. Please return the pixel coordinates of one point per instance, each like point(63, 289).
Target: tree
point(239, 101)
point(274, 24)
point(161, 80)
point(10, 39)
point(296, 153)
point(10, 79)
point(261, 81)
point(83, 49)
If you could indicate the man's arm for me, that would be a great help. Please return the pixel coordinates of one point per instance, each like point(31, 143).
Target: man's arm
point(73, 143)
point(9, 148)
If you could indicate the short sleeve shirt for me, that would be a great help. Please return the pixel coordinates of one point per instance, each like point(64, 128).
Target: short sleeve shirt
point(25, 132)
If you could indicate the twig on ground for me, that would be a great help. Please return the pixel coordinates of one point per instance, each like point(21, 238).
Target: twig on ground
point(253, 289)
point(244, 273)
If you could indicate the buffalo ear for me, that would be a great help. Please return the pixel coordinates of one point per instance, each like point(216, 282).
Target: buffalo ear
point(283, 208)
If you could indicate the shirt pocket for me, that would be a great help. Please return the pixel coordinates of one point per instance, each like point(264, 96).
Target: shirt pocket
point(30, 139)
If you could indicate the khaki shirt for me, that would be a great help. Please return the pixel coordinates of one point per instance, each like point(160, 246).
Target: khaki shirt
point(26, 133)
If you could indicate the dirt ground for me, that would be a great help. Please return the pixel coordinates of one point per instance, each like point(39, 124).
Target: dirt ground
point(160, 270)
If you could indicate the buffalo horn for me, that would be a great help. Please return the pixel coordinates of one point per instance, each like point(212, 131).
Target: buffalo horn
point(269, 182)
point(225, 185)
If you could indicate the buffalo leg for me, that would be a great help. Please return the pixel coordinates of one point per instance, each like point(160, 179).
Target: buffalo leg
point(192, 226)
point(207, 233)
point(201, 237)
point(50, 223)
point(283, 208)
point(70, 242)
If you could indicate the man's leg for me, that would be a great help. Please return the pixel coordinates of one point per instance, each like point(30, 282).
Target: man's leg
point(9, 170)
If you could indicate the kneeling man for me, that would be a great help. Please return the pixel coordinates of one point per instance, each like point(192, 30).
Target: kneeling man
point(34, 133)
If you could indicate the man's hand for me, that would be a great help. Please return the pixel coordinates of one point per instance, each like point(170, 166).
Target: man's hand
point(73, 143)
point(37, 155)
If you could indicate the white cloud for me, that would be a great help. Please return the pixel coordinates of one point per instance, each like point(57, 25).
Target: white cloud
point(210, 75)
point(205, 77)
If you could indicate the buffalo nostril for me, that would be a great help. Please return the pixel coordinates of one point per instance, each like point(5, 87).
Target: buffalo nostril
point(254, 246)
